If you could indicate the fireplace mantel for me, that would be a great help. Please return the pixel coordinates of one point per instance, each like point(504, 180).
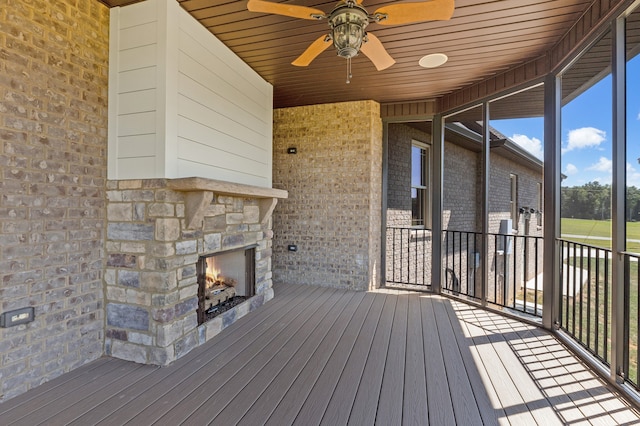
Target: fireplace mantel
point(200, 193)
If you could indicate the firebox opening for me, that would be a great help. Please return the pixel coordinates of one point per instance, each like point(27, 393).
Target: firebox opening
point(225, 279)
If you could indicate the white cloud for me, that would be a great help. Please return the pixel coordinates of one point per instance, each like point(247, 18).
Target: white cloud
point(603, 165)
point(638, 117)
point(570, 170)
point(585, 137)
point(533, 145)
point(633, 176)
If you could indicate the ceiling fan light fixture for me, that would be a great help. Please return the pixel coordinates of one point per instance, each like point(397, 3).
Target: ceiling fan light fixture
point(347, 29)
point(433, 60)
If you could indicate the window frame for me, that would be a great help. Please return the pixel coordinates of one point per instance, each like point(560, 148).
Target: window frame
point(426, 175)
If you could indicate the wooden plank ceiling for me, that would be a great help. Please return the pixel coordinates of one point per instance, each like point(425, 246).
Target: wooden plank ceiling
point(483, 38)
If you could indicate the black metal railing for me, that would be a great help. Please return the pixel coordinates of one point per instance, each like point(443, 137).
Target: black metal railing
point(587, 306)
point(515, 266)
point(632, 319)
point(515, 272)
point(585, 281)
point(408, 256)
point(514, 269)
point(461, 262)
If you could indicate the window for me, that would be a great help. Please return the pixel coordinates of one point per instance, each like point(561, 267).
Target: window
point(420, 191)
point(513, 203)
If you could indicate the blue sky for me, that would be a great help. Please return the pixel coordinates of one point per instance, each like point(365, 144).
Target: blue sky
point(586, 133)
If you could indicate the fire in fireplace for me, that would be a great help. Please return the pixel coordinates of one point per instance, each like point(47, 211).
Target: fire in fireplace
point(225, 279)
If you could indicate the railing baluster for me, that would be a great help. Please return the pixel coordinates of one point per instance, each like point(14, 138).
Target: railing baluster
point(535, 286)
point(573, 319)
point(408, 241)
point(606, 307)
point(627, 317)
point(597, 283)
point(589, 325)
point(637, 284)
point(505, 268)
point(525, 259)
point(581, 292)
point(424, 259)
point(564, 292)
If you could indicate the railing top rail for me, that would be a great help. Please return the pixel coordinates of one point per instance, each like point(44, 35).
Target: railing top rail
point(583, 245)
point(630, 254)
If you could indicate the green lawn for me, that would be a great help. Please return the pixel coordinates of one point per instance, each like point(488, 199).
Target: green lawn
point(584, 316)
point(598, 232)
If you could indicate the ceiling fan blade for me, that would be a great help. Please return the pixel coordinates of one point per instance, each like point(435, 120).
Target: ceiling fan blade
point(316, 48)
point(406, 13)
point(375, 51)
point(302, 12)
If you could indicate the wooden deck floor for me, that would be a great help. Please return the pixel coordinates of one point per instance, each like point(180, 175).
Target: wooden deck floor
point(324, 356)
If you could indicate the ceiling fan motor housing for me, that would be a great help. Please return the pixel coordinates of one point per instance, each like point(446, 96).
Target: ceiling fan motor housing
point(347, 23)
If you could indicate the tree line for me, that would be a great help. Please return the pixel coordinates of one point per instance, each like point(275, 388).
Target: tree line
point(593, 201)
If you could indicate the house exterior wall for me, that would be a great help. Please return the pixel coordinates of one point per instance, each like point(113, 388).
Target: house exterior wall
point(333, 213)
point(409, 252)
point(399, 138)
point(499, 194)
point(182, 104)
point(53, 141)
point(461, 188)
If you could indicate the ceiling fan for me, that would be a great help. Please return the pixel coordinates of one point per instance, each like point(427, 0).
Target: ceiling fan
point(347, 22)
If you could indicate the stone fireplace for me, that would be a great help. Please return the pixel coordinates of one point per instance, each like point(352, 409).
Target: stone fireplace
point(159, 233)
point(225, 279)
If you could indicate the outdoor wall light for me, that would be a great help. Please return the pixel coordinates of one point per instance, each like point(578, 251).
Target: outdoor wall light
point(528, 211)
point(17, 317)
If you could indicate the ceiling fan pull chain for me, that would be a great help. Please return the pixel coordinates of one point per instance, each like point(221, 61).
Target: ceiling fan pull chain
point(349, 70)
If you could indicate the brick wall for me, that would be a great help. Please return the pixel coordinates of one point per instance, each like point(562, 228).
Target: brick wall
point(399, 139)
point(500, 194)
point(461, 189)
point(53, 125)
point(334, 183)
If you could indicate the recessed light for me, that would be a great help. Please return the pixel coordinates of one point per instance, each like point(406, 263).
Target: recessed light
point(433, 60)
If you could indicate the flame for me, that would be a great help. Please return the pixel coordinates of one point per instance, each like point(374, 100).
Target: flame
point(212, 276)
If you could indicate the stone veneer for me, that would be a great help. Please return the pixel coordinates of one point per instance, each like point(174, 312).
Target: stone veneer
point(155, 235)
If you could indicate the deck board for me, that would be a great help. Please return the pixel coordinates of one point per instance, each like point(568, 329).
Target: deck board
point(339, 408)
point(364, 407)
point(64, 396)
point(290, 405)
point(326, 356)
point(192, 393)
point(415, 406)
point(486, 396)
point(318, 399)
point(262, 407)
point(391, 393)
point(273, 384)
point(197, 360)
point(46, 392)
point(261, 373)
point(513, 403)
point(465, 407)
point(440, 406)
